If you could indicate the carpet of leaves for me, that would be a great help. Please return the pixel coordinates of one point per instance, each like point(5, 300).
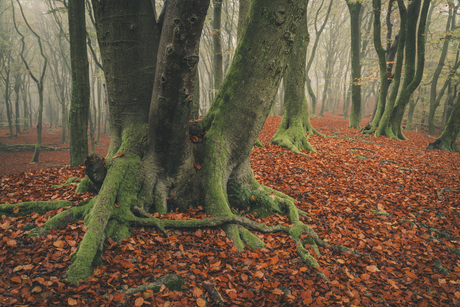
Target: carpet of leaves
point(343, 187)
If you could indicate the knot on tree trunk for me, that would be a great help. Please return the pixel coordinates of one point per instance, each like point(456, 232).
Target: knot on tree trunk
point(95, 169)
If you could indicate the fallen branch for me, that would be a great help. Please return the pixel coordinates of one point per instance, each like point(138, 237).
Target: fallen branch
point(444, 190)
point(389, 162)
point(357, 148)
point(213, 293)
point(171, 281)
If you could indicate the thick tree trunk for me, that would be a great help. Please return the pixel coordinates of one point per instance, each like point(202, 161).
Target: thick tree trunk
point(79, 105)
point(355, 18)
point(242, 16)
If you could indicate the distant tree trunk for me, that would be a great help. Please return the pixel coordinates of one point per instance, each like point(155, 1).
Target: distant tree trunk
point(296, 119)
point(79, 105)
point(355, 18)
point(447, 139)
point(9, 112)
point(217, 44)
point(17, 85)
point(434, 103)
point(24, 103)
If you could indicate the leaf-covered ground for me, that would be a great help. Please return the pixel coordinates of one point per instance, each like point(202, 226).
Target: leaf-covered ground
point(393, 202)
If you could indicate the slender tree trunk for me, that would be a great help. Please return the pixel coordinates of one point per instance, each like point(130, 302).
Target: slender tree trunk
point(79, 105)
point(17, 85)
point(24, 103)
point(355, 18)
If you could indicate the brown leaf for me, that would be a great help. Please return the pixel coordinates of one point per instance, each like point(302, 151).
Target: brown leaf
point(139, 302)
point(59, 243)
point(372, 268)
point(200, 302)
point(197, 165)
point(16, 209)
point(71, 301)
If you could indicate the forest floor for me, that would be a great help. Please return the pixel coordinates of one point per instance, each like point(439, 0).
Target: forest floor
point(394, 202)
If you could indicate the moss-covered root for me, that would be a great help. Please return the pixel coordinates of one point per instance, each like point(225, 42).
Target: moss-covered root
point(61, 219)
point(71, 180)
point(27, 208)
point(312, 131)
point(91, 245)
point(292, 139)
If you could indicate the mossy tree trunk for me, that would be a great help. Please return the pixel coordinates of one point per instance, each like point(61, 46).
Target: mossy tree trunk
point(354, 7)
point(163, 161)
point(79, 104)
point(448, 138)
point(296, 119)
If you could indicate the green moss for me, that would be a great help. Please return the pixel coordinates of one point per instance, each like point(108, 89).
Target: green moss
point(86, 185)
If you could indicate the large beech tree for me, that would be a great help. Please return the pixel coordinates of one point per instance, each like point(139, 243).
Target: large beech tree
point(158, 159)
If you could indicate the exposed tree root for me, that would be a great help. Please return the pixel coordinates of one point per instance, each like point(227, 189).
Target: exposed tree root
point(213, 293)
point(292, 139)
point(357, 148)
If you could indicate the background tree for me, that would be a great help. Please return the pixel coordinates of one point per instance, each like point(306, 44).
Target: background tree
point(38, 81)
point(448, 138)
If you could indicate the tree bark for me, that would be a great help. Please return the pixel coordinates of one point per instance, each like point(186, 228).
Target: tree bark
point(165, 161)
point(79, 105)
